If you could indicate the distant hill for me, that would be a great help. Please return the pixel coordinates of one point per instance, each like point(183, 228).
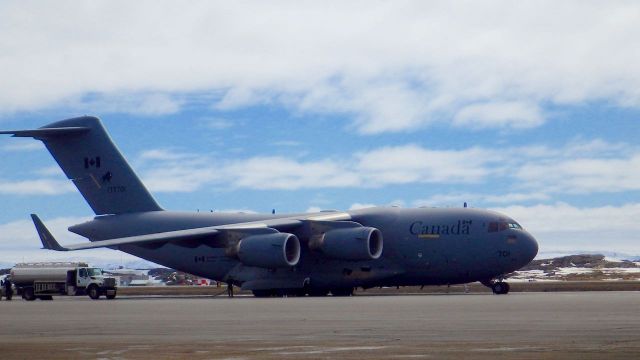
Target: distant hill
point(579, 267)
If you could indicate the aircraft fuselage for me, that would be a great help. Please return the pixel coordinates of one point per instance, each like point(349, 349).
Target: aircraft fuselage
point(424, 246)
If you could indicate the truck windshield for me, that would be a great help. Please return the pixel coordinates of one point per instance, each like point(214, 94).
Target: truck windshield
point(94, 271)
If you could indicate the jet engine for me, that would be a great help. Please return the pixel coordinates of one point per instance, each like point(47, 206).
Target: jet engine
point(268, 250)
point(356, 243)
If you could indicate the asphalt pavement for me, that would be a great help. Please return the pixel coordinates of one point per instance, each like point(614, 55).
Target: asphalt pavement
point(521, 325)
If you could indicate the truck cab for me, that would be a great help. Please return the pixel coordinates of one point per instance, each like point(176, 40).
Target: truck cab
point(92, 281)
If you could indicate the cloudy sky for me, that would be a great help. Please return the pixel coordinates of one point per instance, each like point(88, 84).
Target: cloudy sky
point(531, 108)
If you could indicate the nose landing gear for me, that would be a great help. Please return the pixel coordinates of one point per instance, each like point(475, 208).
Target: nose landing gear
point(498, 287)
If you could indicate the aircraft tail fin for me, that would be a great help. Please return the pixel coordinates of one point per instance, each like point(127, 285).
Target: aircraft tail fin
point(87, 155)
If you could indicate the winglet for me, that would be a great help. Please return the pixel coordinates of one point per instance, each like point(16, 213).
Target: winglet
point(48, 241)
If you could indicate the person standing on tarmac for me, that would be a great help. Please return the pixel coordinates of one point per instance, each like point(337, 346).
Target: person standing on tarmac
point(8, 291)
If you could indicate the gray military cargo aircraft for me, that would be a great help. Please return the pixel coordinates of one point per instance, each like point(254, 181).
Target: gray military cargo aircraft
point(275, 255)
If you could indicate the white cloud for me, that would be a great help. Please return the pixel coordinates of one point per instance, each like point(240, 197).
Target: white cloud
point(532, 173)
point(413, 163)
point(35, 187)
point(286, 174)
point(139, 103)
point(527, 173)
point(53, 170)
point(582, 175)
point(22, 146)
point(393, 66)
point(492, 114)
point(561, 226)
point(174, 171)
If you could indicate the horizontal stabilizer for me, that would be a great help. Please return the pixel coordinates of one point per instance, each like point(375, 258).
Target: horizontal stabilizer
point(47, 132)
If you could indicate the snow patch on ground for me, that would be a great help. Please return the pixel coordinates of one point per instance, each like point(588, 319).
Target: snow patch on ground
point(562, 273)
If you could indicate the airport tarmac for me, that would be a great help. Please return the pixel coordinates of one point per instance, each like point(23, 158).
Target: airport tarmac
point(580, 325)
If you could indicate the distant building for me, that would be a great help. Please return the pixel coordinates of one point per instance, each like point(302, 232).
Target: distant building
point(133, 277)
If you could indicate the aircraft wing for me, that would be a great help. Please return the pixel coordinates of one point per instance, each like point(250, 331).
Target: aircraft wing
point(182, 236)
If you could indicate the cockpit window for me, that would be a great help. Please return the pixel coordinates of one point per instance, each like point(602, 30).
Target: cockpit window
point(496, 226)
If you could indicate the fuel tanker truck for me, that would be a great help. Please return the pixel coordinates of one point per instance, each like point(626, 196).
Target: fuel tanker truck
point(43, 280)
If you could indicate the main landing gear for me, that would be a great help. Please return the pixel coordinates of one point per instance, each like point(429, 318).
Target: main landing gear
point(498, 287)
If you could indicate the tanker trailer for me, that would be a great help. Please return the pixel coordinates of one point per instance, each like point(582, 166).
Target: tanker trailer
point(43, 280)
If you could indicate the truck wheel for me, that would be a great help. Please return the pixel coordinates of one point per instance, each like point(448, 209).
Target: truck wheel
point(111, 297)
point(93, 292)
point(28, 295)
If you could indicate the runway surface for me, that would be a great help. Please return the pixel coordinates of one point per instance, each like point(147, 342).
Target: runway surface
point(526, 325)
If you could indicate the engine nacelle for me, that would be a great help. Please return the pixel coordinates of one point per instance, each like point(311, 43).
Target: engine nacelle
point(356, 243)
point(269, 250)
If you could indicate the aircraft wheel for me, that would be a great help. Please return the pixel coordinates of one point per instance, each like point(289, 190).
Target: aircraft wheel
point(500, 288)
point(94, 293)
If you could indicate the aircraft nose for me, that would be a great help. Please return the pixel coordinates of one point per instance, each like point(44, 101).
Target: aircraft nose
point(529, 247)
